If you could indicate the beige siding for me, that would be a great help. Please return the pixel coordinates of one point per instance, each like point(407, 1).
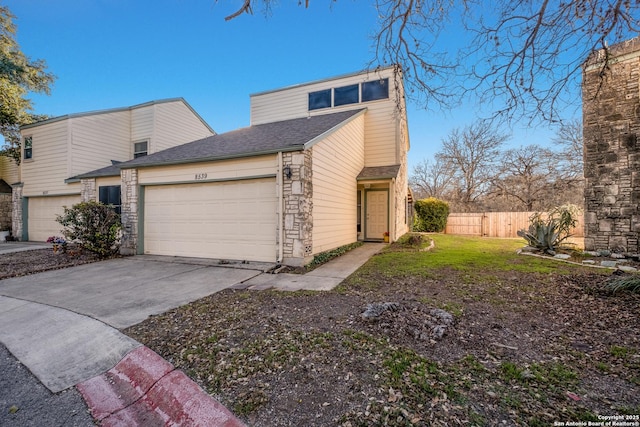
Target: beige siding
point(108, 180)
point(401, 189)
point(175, 125)
point(142, 125)
point(45, 173)
point(9, 170)
point(97, 139)
point(381, 122)
point(337, 161)
point(209, 171)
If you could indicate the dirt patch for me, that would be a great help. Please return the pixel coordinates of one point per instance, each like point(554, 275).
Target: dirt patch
point(39, 260)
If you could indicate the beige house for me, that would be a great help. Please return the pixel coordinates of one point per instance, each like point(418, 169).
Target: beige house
point(323, 164)
point(54, 151)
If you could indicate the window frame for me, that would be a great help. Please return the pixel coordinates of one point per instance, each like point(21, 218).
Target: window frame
point(320, 94)
point(346, 90)
point(140, 153)
point(28, 149)
point(108, 191)
point(373, 95)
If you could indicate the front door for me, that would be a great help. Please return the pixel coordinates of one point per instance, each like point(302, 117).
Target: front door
point(376, 214)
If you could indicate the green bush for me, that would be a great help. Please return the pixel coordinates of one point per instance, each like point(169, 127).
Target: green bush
point(94, 226)
point(431, 215)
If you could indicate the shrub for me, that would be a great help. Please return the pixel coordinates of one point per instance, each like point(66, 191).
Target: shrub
point(94, 226)
point(431, 215)
point(547, 231)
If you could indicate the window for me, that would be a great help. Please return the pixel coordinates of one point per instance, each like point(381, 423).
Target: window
point(28, 147)
point(139, 149)
point(110, 195)
point(377, 89)
point(346, 95)
point(320, 99)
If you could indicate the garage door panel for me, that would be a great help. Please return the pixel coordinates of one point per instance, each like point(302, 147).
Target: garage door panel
point(232, 220)
point(42, 215)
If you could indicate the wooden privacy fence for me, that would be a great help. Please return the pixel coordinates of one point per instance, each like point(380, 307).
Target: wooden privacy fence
point(496, 224)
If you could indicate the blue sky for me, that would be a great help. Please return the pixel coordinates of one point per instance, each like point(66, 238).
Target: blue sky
point(116, 53)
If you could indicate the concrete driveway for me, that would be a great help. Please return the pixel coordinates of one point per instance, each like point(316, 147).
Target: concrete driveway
point(62, 324)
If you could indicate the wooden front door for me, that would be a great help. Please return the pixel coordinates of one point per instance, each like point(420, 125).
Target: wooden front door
point(376, 214)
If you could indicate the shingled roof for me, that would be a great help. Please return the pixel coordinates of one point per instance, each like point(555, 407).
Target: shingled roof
point(287, 135)
point(267, 138)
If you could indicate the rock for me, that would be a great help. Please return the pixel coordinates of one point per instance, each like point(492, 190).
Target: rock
point(437, 332)
point(375, 310)
point(604, 252)
point(443, 316)
point(592, 253)
point(589, 262)
point(529, 249)
point(617, 256)
point(627, 268)
point(562, 256)
point(608, 263)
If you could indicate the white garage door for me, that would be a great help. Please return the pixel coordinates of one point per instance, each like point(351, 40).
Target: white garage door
point(42, 222)
point(227, 220)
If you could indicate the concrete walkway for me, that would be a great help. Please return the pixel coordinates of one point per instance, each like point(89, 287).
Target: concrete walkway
point(323, 278)
point(63, 325)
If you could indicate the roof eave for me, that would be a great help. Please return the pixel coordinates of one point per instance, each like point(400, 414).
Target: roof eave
point(215, 158)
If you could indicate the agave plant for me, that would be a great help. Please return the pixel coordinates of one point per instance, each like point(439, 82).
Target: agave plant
point(547, 231)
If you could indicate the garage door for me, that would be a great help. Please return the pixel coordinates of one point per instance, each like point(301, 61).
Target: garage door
point(42, 222)
point(227, 220)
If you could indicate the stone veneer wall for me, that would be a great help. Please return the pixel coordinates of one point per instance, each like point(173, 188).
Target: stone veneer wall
point(611, 125)
point(129, 194)
point(16, 215)
point(6, 208)
point(298, 209)
point(88, 190)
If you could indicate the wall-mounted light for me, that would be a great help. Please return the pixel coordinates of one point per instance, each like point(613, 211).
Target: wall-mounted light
point(287, 171)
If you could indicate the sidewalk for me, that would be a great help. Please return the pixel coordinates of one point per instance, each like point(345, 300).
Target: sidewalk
point(323, 278)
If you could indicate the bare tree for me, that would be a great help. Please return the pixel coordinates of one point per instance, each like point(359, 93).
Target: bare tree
point(472, 154)
point(525, 175)
point(570, 159)
point(526, 54)
point(431, 179)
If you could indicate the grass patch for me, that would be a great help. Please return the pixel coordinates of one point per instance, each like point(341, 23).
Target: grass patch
point(473, 255)
point(324, 257)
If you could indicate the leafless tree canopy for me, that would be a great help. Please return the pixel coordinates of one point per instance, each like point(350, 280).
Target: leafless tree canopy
point(472, 173)
point(471, 154)
point(522, 56)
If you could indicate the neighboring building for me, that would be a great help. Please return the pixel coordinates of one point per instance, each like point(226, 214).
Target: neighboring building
point(9, 174)
point(322, 165)
point(54, 151)
point(611, 120)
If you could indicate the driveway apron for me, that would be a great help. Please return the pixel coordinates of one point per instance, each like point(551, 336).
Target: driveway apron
point(61, 324)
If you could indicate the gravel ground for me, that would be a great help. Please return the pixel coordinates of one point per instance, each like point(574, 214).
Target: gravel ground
point(25, 402)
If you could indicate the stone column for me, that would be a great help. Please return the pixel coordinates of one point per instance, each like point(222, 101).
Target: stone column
point(611, 125)
point(88, 190)
point(16, 214)
point(129, 216)
point(298, 209)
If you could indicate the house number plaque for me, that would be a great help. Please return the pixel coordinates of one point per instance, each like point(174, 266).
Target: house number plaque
point(200, 176)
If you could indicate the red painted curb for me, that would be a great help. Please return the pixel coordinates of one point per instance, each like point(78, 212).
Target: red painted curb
point(145, 390)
